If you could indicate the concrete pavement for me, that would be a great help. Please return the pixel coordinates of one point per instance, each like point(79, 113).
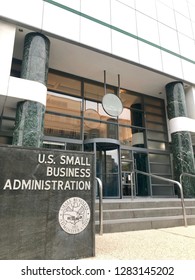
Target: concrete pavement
point(176, 243)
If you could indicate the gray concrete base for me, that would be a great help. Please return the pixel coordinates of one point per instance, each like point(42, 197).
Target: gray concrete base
point(142, 214)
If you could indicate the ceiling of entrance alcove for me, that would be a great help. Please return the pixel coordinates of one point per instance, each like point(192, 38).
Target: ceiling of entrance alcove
point(89, 63)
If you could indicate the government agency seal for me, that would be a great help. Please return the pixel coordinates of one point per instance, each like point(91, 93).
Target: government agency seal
point(74, 215)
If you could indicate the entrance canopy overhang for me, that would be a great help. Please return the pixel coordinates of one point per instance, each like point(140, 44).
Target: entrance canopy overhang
point(83, 61)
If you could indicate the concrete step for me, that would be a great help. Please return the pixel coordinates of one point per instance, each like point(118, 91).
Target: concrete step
point(143, 203)
point(122, 225)
point(144, 212)
point(140, 214)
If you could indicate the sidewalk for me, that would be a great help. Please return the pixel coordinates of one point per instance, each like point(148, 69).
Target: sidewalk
point(159, 244)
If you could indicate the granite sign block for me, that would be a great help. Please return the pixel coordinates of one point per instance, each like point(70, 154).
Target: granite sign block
point(47, 201)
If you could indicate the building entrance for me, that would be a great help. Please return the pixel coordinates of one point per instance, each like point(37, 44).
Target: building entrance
point(131, 160)
point(107, 166)
point(114, 169)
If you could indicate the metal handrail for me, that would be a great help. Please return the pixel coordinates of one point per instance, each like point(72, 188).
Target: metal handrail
point(185, 174)
point(174, 182)
point(132, 183)
point(100, 204)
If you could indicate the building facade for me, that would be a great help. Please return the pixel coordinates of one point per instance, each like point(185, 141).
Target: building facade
point(113, 77)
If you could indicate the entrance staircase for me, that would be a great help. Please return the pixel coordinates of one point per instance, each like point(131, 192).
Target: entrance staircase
point(145, 213)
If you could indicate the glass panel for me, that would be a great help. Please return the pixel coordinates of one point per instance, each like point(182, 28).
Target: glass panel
point(138, 139)
point(127, 183)
point(156, 136)
point(160, 168)
point(112, 161)
point(151, 117)
point(73, 147)
point(7, 125)
point(112, 130)
point(152, 109)
point(66, 105)
point(160, 181)
point(125, 154)
point(100, 130)
point(155, 126)
point(127, 166)
point(110, 183)
point(163, 191)
point(125, 117)
point(125, 135)
point(95, 92)
point(156, 145)
point(57, 82)
point(128, 98)
point(94, 110)
point(141, 163)
point(107, 170)
point(62, 126)
point(6, 140)
point(92, 130)
point(159, 158)
point(54, 145)
point(153, 101)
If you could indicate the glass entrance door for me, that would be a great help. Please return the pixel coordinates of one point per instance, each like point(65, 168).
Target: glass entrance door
point(107, 167)
point(128, 181)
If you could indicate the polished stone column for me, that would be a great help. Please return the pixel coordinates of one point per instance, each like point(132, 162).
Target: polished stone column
point(30, 115)
point(183, 158)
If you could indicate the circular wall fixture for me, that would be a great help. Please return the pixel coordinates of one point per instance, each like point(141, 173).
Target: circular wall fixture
point(112, 104)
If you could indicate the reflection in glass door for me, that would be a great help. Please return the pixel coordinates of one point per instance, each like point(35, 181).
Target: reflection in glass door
point(107, 166)
point(107, 169)
point(142, 181)
point(128, 181)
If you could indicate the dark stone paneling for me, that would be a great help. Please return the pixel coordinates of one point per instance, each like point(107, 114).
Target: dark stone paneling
point(29, 222)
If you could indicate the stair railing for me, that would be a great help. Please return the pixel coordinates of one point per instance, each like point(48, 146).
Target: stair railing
point(132, 183)
point(171, 181)
point(100, 188)
point(185, 174)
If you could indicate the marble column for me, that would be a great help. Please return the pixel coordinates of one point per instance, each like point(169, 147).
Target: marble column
point(29, 114)
point(183, 158)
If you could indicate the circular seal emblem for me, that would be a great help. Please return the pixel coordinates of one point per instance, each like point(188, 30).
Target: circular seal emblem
point(74, 215)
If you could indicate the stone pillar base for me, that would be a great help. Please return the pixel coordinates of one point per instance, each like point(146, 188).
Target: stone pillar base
point(29, 124)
